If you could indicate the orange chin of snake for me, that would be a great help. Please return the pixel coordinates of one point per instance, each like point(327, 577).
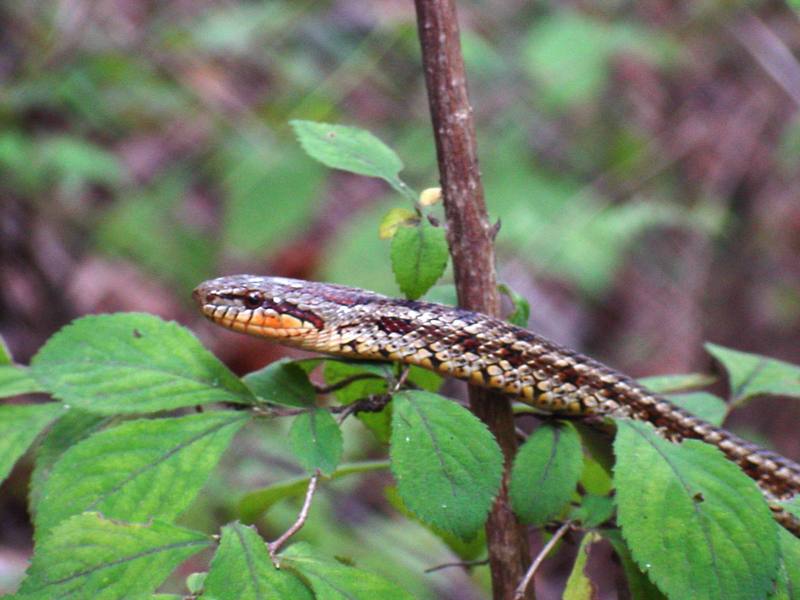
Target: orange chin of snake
point(266, 325)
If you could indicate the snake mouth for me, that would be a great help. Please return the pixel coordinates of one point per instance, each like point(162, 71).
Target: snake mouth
point(260, 321)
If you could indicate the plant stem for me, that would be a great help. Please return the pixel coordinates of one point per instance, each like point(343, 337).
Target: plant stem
point(344, 383)
point(275, 546)
point(464, 564)
point(470, 237)
point(523, 585)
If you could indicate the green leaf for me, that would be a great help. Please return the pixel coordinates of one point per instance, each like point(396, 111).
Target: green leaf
point(593, 510)
point(89, 556)
point(466, 550)
point(419, 257)
point(5, 353)
point(545, 472)
point(195, 582)
point(351, 149)
point(133, 363)
point(16, 380)
point(281, 382)
point(788, 582)
point(595, 478)
point(427, 380)
point(522, 308)
point(599, 456)
point(255, 504)
point(71, 428)
point(705, 405)
point(755, 375)
point(138, 470)
point(690, 516)
point(670, 384)
point(242, 570)
point(787, 586)
point(639, 586)
point(394, 219)
point(19, 426)
point(579, 586)
point(316, 441)
point(332, 580)
point(448, 466)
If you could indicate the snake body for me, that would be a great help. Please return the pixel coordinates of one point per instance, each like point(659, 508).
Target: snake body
point(482, 350)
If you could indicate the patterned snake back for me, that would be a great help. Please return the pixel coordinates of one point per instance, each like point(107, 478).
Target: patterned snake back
point(479, 349)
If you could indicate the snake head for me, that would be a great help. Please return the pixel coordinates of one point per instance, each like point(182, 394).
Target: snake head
point(300, 313)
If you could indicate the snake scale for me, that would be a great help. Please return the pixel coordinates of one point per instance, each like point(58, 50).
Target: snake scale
point(484, 351)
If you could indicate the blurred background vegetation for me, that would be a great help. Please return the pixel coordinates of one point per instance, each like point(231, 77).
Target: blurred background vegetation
point(642, 158)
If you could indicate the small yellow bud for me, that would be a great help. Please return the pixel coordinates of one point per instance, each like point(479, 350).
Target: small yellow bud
point(430, 196)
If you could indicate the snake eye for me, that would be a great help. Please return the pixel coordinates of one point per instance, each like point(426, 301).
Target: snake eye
point(252, 300)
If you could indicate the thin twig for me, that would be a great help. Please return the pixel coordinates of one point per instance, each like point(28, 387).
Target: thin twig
point(464, 563)
point(402, 379)
point(344, 383)
point(371, 403)
point(273, 547)
point(519, 594)
point(349, 409)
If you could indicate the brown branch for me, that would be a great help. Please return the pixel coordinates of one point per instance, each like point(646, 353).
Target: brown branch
point(470, 237)
point(464, 564)
point(335, 387)
point(523, 585)
point(371, 403)
point(274, 547)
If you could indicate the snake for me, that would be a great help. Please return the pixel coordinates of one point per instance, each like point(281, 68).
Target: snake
point(484, 351)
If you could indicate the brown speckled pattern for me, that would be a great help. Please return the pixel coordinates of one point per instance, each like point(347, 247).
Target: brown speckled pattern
point(484, 351)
